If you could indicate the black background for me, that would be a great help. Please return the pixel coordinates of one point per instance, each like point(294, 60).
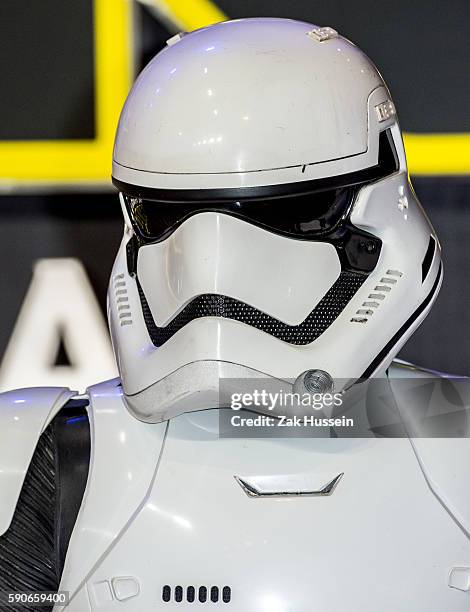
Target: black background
point(46, 68)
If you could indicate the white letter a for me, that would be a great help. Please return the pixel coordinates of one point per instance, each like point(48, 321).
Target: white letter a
point(60, 307)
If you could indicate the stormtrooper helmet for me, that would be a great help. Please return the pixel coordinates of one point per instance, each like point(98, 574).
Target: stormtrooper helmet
point(270, 225)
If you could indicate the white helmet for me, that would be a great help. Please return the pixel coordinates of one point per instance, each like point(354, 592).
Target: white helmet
point(271, 228)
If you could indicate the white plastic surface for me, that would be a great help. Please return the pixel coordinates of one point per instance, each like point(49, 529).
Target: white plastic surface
point(459, 578)
point(24, 415)
point(249, 102)
point(124, 458)
point(206, 254)
point(380, 541)
point(125, 587)
point(445, 462)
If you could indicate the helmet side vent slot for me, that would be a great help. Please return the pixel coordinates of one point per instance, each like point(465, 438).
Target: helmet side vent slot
point(122, 300)
point(368, 308)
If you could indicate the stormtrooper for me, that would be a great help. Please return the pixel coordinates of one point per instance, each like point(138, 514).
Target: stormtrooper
point(271, 233)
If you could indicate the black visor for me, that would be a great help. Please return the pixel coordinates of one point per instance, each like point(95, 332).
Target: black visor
point(303, 215)
point(303, 210)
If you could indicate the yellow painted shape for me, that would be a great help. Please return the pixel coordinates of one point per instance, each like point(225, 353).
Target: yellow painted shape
point(438, 154)
point(192, 14)
point(75, 161)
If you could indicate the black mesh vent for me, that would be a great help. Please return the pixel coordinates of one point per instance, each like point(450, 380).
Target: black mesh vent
point(190, 594)
point(226, 594)
point(202, 594)
point(212, 305)
point(179, 594)
point(166, 593)
point(214, 594)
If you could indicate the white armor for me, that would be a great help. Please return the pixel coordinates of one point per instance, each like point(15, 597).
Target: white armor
point(172, 515)
point(162, 507)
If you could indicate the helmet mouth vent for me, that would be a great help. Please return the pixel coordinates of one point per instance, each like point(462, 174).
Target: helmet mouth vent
point(215, 305)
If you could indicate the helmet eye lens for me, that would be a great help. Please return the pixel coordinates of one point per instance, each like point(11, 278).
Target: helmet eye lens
point(302, 216)
point(154, 220)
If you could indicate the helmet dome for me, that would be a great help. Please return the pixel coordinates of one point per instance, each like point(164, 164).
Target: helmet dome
point(253, 101)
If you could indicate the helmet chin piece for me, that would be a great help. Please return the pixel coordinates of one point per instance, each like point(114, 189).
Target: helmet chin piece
point(298, 255)
point(195, 386)
point(202, 385)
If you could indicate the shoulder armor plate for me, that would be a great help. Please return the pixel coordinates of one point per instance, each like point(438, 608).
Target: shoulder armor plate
point(24, 414)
